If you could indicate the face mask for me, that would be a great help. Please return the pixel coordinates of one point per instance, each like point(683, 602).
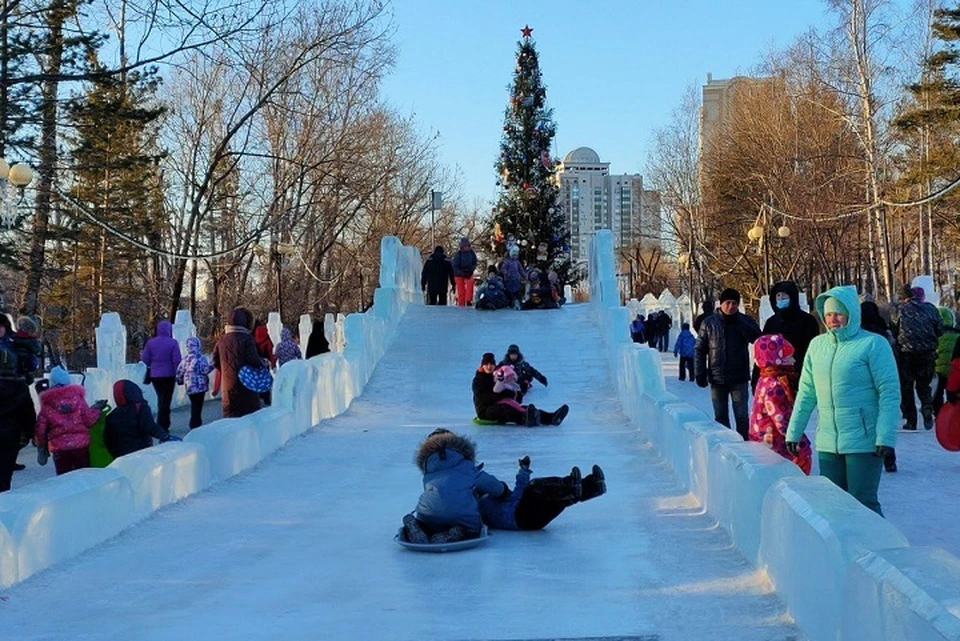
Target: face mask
point(783, 304)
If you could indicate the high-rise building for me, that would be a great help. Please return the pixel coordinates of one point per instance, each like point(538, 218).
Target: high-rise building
point(593, 199)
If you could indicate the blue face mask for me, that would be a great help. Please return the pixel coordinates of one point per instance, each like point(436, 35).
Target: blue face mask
point(783, 304)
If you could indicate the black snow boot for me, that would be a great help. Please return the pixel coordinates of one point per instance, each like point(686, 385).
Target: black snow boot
point(575, 481)
point(594, 484)
point(559, 415)
point(532, 417)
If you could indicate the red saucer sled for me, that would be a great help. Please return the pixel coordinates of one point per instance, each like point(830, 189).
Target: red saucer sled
point(948, 426)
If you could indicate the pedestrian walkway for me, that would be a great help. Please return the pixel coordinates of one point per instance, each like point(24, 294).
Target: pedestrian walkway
point(922, 498)
point(301, 546)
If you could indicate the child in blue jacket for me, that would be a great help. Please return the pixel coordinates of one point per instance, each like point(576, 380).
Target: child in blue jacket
point(683, 348)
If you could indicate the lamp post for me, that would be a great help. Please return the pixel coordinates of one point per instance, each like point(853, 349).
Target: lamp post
point(759, 233)
point(436, 202)
point(13, 182)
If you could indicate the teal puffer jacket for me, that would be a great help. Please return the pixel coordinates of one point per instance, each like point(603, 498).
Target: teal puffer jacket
point(850, 375)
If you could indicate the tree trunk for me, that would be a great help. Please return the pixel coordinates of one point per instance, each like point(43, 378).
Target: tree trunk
point(48, 157)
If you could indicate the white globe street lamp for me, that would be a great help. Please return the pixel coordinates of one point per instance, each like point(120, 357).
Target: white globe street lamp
point(13, 182)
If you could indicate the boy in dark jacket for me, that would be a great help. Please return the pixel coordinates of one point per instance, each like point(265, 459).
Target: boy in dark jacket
point(437, 277)
point(534, 503)
point(526, 373)
point(130, 427)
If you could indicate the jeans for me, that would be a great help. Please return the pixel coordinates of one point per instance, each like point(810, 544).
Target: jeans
point(858, 474)
point(686, 365)
point(916, 371)
point(720, 395)
point(464, 290)
point(164, 387)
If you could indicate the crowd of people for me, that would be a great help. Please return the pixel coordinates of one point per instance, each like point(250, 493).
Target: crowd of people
point(506, 284)
point(78, 435)
point(861, 366)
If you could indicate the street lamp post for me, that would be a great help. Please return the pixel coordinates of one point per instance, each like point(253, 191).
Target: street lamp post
point(436, 202)
point(13, 182)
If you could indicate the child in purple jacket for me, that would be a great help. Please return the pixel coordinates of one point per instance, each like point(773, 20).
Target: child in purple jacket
point(193, 372)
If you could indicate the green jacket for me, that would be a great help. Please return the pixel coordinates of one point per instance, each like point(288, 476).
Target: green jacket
point(850, 375)
point(948, 340)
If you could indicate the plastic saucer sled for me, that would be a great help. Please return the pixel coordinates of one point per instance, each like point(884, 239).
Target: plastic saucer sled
point(948, 427)
point(453, 546)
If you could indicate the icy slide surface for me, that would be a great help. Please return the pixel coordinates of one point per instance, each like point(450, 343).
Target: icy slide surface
point(301, 546)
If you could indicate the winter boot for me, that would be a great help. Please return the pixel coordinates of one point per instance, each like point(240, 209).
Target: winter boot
point(594, 484)
point(575, 481)
point(414, 532)
point(524, 462)
point(559, 415)
point(532, 417)
point(890, 462)
point(456, 533)
point(928, 420)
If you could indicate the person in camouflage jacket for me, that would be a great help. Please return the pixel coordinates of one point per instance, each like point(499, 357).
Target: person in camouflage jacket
point(917, 326)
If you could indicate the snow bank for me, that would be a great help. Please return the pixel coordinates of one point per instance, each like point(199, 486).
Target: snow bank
point(164, 474)
point(813, 532)
point(275, 426)
point(232, 446)
point(843, 571)
point(58, 518)
point(904, 593)
point(8, 558)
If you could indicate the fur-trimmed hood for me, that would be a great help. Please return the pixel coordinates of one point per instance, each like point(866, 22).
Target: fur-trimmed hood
point(440, 441)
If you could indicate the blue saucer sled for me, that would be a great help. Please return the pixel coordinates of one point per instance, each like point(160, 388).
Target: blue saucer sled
point(442, 547)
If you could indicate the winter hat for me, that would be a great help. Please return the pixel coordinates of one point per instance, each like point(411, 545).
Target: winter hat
point(771, 349)
point(464, 242)
point(684, 326)
point(905, 292)
point(948, 317)
point(835, 306)
point(59, 377)
point(513, 349)
point(918, 293)
point(729, 294)
point(193, 345)
point(488, 357)
point(514, 251)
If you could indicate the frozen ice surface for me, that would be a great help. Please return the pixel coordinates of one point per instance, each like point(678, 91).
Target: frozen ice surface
point(300, 546)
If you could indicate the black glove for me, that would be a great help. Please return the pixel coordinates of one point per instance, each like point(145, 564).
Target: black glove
point(543, 380)
point(702, 380)
point(885, 451)
point(524, 462)
point(793, 447)
point(505, 493)
point(100, 405)
point(42, 455)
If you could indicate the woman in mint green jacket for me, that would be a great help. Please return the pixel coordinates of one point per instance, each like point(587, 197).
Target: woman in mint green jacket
point(850, 376)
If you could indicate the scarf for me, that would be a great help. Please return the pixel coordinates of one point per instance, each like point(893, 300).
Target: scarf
point(235, 329)
point(785, 374)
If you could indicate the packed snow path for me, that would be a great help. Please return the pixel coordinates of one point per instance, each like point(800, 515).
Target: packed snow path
point(301, 546)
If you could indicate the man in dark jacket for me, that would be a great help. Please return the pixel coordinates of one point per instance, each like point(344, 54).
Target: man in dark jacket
point(794, 324)
point(18, 417)
point(664, 323)
point(917, 326)
point(130, 426)
point(722, 360)
point(707, 307)
point(464, 264)
point(437, 277)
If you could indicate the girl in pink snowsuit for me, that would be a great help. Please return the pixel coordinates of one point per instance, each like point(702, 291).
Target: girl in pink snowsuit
point(63, 425)
point(774, 397)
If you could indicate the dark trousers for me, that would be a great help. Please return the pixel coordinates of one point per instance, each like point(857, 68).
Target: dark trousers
point(69, 460)
point(196, 409)
point(686, 365)
point(721, 395)
point(664, 341)
point(9, 448)
point(545, 498)
point(437, 298)
point(164, 387)
point(916, 372)
point(858, 474)
point(502, 414)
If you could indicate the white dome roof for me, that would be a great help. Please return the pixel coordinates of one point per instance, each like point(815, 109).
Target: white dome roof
point(581, 155)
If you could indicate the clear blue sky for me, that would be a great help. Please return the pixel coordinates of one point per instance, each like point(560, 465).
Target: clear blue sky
point(614, 69)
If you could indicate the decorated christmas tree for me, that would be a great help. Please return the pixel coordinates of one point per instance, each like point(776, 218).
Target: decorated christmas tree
point(528, 214)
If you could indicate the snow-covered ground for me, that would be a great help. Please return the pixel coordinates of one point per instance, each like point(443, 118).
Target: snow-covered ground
point(300, 547)
point(922, 498)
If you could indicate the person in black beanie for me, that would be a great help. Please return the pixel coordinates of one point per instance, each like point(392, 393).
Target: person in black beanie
point(722, 360)
point(790, 321)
